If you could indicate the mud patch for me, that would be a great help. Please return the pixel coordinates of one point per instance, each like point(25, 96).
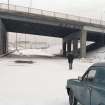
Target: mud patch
point(24, 61)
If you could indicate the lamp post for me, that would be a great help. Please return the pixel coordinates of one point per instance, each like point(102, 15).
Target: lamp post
point(30, 3)
point(8, 4)
point(102, 17)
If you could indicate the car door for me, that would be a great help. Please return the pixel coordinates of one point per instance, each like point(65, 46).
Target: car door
point(84, 87)
point(98, 88)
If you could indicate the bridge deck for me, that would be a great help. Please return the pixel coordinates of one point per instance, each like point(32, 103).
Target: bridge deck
point(33, 11)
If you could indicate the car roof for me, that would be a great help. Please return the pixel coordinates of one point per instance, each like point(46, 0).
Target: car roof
point(102, 64)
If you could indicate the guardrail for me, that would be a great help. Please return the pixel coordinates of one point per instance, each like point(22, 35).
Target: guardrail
point(16, 8)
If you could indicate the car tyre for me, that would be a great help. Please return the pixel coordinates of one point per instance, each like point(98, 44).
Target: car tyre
point(72, 99)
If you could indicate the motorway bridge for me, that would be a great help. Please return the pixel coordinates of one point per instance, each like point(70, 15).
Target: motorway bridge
point(35, 21)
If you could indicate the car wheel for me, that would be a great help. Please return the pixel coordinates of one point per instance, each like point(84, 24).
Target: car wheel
point(72, 99)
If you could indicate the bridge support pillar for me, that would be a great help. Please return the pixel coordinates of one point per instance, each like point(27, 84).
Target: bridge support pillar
point(102, 40)
point(75, 47)
point(83, 38)
point(69, 46)
point(64, 47)
point(3, 39)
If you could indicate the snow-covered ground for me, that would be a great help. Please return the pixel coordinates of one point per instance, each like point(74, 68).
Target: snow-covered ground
point(44, 81)
point(51, 51)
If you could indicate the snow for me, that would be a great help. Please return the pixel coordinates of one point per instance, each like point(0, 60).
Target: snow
point(51, 51)
point(44, 81)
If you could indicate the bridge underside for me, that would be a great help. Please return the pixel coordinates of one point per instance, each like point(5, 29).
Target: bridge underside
point(8, 25)
point(36, 28)
point(68, 34)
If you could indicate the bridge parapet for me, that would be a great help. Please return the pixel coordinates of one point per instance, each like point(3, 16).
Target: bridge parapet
point(27, 10)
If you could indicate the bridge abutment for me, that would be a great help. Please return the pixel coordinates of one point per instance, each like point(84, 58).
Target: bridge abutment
point(3, 39)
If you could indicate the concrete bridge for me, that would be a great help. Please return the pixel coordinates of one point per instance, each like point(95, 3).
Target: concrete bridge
point(35, 21)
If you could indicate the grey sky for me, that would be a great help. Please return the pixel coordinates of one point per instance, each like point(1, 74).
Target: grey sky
point(86, 8)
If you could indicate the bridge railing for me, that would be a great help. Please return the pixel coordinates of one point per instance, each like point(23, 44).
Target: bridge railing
point(33, 11)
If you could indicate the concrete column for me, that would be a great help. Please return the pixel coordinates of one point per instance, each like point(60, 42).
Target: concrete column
point(64, 47)
point(75, 47)
point(83, 38)
point(102, 40)
point(3, 39)
point(69, 46)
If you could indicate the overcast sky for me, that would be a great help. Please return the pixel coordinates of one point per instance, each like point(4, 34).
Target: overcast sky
point(86, 8)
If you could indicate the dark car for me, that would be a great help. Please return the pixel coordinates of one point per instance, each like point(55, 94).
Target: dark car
point(90, 88)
